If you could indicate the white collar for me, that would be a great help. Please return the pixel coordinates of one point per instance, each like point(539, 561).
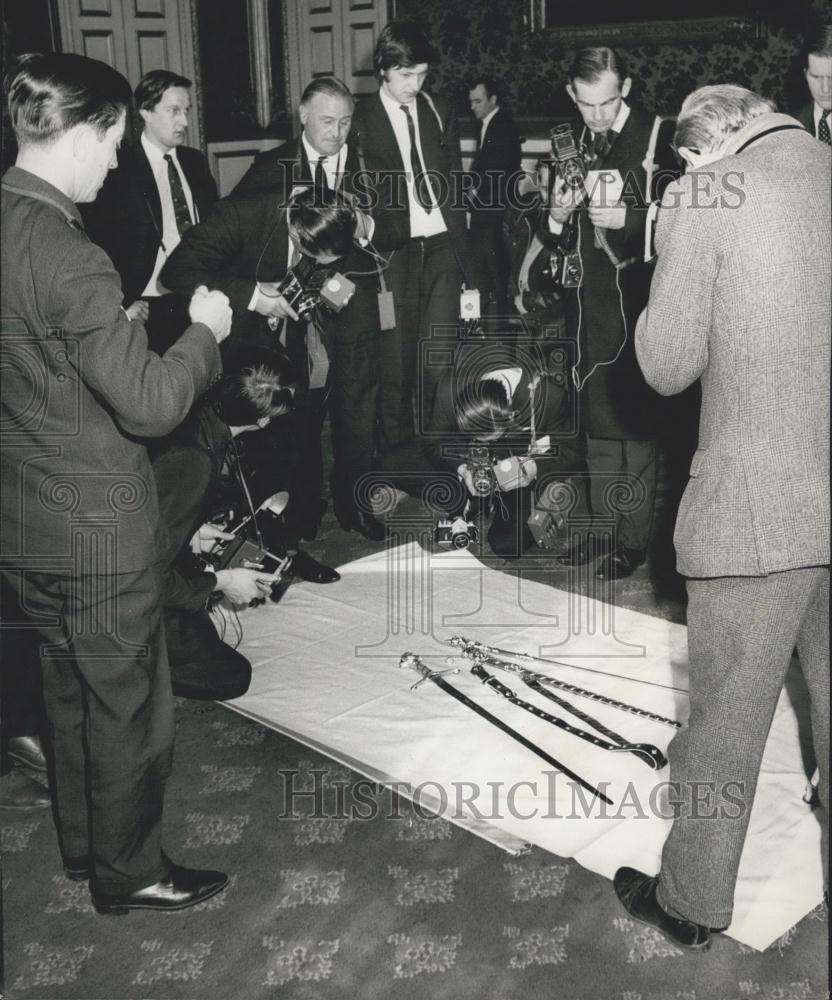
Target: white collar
point(509, 377)
point(335, 159)
point(393, 107)
point(154, 154)
point(620, 119)
point(488, 118)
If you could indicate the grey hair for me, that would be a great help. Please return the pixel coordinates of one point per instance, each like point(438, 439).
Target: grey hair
point(711, 114)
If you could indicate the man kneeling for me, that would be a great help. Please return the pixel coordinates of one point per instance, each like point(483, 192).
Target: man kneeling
point(196, 475)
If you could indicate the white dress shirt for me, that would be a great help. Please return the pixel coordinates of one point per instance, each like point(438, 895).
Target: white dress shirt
point(485, 123)
point(422, 223)
point(170, 232)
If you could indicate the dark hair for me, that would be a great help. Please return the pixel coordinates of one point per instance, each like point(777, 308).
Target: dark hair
point(329, 85)
point(490, 86)
point(259, 384)
point(402, 43)
point(483, 408)
point(49, 94)
point(322, 222)
point(152, 86)
point(588, 64)
point(818, 42)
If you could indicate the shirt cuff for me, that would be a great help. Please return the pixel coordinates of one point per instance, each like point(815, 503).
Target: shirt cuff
point(252, 305)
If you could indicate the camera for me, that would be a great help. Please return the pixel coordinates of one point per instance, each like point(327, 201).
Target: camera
point(244, 551)
point(455, 532)
point(309, 284)
point(481, 467)
point(567, 160)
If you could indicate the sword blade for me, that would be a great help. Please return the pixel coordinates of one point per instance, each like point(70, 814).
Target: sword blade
point(504, 727)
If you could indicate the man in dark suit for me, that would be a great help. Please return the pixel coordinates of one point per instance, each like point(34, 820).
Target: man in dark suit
point(618, 408)
point(80, 536)
point(410, 146)
point(160, 189)
point(817, 53)
point(322, 156)
point(495, 169)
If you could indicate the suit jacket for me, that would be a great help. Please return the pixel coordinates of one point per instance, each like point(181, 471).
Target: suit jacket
point(384, 182)
point(615, 401)
point(495, 168)
point(241, 241)
point(187, 467)
point(126, 218)
point(806, 117)
point(741, 300)
point(79, 388)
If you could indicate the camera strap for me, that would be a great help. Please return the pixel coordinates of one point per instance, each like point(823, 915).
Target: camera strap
point(237, 468)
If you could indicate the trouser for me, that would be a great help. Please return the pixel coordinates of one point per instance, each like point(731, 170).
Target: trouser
point(741, 635)
point(622, 487)
point(425, 279)
point(21, 695)
point(109, 713)
point(491, 264)
point(202, 665)
point(356, 384)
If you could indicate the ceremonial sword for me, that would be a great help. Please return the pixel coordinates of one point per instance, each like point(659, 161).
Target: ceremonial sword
point(416, 663)
point(645, 752)
point(466, 646)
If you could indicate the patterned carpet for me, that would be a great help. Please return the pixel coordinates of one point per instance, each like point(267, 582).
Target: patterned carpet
point(360, 895)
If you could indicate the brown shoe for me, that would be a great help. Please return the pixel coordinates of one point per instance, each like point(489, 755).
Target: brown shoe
point(637, 892)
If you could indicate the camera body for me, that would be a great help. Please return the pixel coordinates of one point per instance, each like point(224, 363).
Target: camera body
point(455, 533)
point(481, 467)
point(567, 160)
point(309, 284)
point(244, 551)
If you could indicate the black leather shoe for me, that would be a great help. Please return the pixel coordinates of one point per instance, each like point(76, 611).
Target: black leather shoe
point(26, 750)
point(637, 892)
point(78, 869)
point(19, 791)
point(583, 551)
point(304, 567)
point(182, 888)
point(621, 563)
point(365, 524)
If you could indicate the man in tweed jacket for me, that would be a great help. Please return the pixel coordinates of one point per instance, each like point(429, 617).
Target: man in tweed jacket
point(744, 248)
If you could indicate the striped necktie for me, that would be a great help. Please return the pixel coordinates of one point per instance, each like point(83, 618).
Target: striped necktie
point(180, 203)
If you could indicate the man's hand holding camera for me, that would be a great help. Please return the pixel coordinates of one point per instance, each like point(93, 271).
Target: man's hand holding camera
point(245, 584)
point(563, 200)
point(268, 303)
point(608, 216)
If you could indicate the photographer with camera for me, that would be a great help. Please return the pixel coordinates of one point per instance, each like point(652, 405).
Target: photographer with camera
point(627, 159)
point(503, 423)
point(188, 467)
point(250, 245)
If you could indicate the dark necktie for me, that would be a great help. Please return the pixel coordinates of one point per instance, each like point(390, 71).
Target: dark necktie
point(599, 147)
point(180, 203)
point(421, 182)
point(321, 184)
point(823, 130)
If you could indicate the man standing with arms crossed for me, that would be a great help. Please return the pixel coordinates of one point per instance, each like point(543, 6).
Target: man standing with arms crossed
point(79, 515)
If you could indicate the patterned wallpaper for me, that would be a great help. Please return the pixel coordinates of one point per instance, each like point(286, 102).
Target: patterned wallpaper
point(492, 38)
